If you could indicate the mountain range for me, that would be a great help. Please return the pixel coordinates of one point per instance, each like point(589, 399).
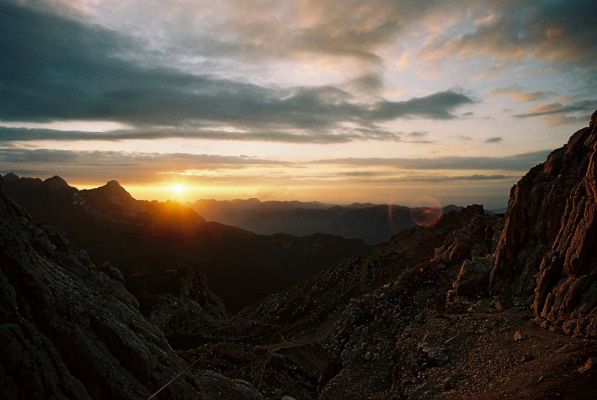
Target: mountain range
point(372, 223)
point(474, 306)
point(156, 245)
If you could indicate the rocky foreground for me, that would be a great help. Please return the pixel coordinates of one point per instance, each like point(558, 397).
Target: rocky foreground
point(68, 330)
point(473, 307)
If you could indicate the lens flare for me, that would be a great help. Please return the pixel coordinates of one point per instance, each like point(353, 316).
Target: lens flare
point(428, 212)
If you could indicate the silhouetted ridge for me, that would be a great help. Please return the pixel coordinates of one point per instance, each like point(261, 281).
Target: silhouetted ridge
point(112, 188)
point(10, 177)
point(373, 223)
point(157, 245)
point(56, 182)
point(112, 194)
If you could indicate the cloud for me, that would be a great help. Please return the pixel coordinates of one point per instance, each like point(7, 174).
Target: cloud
point(344, 135)
point(520, 162)
point(24, 134)
point(585, 106)
point(558, 114)
point(495, 139)
point(59, 69)
point(554, 31)
point(522, 95)
point(11, 135)
point(417, 134)
point(261, 30)
point(367, 83)
point(98, 165)
point(384, 176)
point(151, 167)
point(202, 31)
point(178, 160)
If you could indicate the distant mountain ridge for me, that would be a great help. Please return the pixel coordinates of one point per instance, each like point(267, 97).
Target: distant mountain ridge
point(372, 223)
point(155, 244)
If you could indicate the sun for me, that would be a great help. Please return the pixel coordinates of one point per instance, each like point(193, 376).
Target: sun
point(179, 189)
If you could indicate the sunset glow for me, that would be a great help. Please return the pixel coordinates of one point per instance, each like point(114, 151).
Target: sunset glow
point(337, 101)
point(179, 189)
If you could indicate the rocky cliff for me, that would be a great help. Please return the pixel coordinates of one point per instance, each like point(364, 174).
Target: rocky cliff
point(547, 251)
point(69, 330)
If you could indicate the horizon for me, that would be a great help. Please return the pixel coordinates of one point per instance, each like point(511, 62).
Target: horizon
point(183, 197)
point(380, 102)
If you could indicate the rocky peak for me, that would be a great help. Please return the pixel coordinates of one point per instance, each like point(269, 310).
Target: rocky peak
point(110, 195)
point(113, 185)
point(114, 188)
point(56, 182)
point(10, 177)
point(546, 252)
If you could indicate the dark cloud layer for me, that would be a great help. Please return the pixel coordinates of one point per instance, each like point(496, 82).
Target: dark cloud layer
point(59, 69)
point(378, 177)
point(90, 165)
point(584, 107)
point(11, 135)
point(97, 165)
point(520, 162)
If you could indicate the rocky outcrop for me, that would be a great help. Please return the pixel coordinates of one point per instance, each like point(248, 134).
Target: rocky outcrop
point(193, 309)
point(394, 267)
point(68, 330)
point(547, 251)
point(473, 277)
point(112, 199)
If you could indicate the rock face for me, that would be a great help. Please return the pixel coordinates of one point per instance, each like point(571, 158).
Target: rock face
point(193, 309)
point(391, 326)
point(547, 250)
point(68, 330)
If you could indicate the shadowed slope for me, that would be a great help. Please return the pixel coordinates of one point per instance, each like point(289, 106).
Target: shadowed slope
point(68, 330)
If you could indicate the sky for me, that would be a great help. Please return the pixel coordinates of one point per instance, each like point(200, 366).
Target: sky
point(339, 101)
